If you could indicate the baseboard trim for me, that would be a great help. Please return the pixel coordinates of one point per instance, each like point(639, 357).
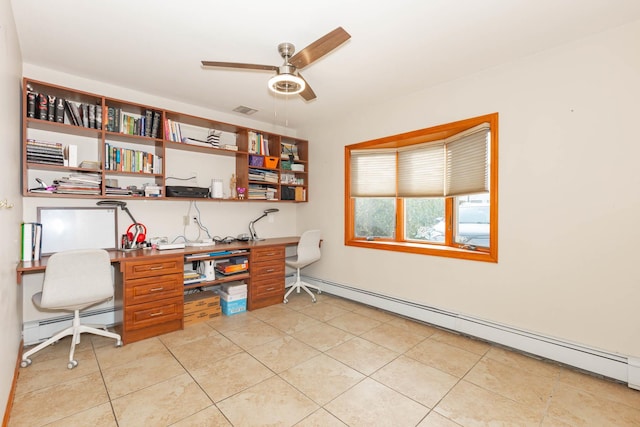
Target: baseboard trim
point(615, 366)
point(14, 384)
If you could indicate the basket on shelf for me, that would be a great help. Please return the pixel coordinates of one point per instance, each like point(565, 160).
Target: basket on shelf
point(257, 161)
point(271, 162)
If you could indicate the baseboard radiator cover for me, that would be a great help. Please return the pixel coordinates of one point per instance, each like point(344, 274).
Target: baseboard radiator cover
point(615, 366)
point(37, 331)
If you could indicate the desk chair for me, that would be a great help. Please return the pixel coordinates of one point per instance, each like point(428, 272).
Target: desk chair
point(74, 280)
point(308, 252)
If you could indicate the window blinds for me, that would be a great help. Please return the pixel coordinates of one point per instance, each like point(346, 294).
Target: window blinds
point(421, 170)
point(373, 173)
point(455, 166)
point(467, 169)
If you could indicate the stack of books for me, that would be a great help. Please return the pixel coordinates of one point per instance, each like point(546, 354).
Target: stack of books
point(257, 192)
point(263, 175)
point(192, 276)
point(50, 153)
point(79, 183)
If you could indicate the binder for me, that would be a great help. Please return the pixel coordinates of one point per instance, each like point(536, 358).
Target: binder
point(31, 245)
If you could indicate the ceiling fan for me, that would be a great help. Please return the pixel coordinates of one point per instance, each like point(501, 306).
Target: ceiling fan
point(288, 80)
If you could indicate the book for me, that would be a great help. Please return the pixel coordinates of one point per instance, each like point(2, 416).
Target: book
point(99, 117)
point(31, 245)
point(84, 113)
point(71, 155)
point(43, 106)
point(116, 120)
point(59, 114)
point(37, 241)
point(72, 117)
point(148, 120)
point(75, 111)
point(51, 108)
point(91, 110)
point(27, 236)
point(32, 100)
point(110, 119)
point(155, 126)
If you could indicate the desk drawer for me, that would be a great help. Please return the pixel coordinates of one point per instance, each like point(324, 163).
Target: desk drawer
point(147, 289)
point(261, 269)
point(267, 288)
point(149, 268)
point(150, 314)
point(264, 254)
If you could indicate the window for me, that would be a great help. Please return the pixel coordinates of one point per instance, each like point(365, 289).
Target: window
point(431, 191)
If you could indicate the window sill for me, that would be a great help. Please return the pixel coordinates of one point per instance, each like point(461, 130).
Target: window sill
point(426, 249)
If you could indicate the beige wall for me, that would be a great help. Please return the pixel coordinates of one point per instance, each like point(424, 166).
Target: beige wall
point(569, 195)
point(10, 309)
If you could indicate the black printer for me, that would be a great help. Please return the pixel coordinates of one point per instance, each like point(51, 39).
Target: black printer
point(183, 191)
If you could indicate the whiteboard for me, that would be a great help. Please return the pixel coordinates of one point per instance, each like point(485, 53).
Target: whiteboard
point(78, 228)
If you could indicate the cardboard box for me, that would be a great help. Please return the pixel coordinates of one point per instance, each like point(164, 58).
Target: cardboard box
point(201, 315)
point(200, 301)
point(234, 307)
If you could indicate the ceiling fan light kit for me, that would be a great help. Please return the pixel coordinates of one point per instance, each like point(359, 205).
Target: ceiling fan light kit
point(288, 80)
point(286, 84)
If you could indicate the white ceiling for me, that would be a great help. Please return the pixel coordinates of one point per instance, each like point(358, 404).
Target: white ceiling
point(396, 47)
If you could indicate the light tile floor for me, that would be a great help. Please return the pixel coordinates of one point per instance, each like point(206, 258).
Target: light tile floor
point(333, 363)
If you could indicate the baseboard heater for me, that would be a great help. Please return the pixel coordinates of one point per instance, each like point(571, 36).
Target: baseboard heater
point(615, 366)
point(37, 331)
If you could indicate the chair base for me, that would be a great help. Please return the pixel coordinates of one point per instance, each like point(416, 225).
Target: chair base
point(299, 284)
point(74, 330)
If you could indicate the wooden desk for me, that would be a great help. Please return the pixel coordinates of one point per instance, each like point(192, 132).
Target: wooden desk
point(149, 283)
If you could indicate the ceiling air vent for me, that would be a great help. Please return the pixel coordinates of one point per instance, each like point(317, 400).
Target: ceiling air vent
point(245, 110)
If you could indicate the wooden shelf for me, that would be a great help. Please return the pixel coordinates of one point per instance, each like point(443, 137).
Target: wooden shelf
point(94, 143)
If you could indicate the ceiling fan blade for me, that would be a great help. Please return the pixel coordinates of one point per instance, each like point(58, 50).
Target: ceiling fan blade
point(239, 65)
point(308, 94)
point(319, 48)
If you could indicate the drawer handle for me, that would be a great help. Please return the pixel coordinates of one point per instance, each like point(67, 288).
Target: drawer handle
point(156, 314)
point(157, 289)
point(157, 267)
point(271, 270)
point(270, 289)
point(271, 253)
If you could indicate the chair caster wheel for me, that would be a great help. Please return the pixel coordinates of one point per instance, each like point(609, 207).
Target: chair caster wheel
point(285, 301)
point(314, 300)
point(72, 364)
point(25, 363)
point(119, 343)
point(319, 291)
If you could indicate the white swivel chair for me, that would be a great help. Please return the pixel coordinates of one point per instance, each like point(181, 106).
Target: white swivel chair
point(73, 281)
point(308, 252)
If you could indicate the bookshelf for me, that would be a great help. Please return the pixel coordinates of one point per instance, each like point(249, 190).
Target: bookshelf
point(136, 150)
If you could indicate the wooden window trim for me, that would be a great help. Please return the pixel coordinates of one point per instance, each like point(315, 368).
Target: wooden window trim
point(449, 248)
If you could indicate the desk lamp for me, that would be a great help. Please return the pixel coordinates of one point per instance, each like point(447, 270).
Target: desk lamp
point(123, 205)
point(252, 230)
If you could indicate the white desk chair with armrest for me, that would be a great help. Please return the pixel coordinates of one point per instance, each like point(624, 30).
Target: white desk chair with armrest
point(308, 252)
point(74, 280)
